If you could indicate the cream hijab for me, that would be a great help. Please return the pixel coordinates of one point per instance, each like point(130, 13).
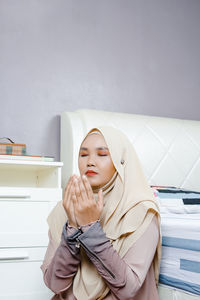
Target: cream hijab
point(129, 207)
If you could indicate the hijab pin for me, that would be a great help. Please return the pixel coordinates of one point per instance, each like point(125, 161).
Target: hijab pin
point(122, 161)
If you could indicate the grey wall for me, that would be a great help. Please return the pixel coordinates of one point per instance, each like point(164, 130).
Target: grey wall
point(136, 56)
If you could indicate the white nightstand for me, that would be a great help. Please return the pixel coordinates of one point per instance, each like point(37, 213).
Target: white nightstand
point(28, 191)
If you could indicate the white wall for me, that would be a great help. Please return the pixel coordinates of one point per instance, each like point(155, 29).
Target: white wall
point(136, 56)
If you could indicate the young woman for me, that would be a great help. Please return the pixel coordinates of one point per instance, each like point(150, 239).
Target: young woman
point(105, 234)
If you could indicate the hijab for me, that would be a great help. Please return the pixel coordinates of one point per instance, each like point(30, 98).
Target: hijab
point(129, 207)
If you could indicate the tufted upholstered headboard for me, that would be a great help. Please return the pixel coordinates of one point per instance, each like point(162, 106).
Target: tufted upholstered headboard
point(168, 148)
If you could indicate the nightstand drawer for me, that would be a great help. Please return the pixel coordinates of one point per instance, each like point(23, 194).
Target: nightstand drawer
point(30, 194)
point(23, 223)
point(21, 276)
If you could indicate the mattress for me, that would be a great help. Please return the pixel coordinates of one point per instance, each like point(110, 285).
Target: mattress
point(170, 293)
point(180, 227)
point(180, 262)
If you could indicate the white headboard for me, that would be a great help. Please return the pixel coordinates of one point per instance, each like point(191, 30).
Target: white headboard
point(168, 148)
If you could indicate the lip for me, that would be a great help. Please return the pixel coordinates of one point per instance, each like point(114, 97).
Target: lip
point(91, 173)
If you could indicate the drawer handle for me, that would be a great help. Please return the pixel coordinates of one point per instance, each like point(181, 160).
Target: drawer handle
point(13, 254)
point(15, 196)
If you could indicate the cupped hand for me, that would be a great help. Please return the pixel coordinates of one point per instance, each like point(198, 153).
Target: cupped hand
point(68, 202)
point(86, 209)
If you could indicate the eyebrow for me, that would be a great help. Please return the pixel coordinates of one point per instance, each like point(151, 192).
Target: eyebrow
point(98, 148)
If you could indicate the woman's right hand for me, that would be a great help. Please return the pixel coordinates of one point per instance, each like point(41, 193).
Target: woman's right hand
point(68, 202)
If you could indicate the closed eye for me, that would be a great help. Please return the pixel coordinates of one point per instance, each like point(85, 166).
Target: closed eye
point(83, 155)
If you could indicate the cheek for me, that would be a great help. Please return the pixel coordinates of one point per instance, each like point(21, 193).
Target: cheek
point(109, 169)
point(81, 166)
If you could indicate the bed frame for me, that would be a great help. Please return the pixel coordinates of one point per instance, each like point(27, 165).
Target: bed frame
point(168, 149)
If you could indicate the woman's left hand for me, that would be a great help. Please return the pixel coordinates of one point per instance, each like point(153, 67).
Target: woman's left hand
point(86, 209)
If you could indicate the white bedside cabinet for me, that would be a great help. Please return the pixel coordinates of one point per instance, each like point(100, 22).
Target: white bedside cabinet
point(28, 191)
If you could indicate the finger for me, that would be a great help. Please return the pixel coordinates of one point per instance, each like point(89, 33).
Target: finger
point(87, 187)
point(67, 190)
point(73, 196)
point(100, 202)
point(68, 184)
point(83, 191)
point(77, 191)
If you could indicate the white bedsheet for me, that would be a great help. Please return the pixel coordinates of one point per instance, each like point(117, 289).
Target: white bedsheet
point(180, 263)
point(171, 293)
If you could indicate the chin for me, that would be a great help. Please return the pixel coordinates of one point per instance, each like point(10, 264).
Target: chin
point(94, 185)
point(92, 182)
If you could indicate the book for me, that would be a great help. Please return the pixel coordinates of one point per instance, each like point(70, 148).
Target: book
point(26, 157)
point(14, 149)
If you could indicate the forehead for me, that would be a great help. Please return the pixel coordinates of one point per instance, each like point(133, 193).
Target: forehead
point(94, 140)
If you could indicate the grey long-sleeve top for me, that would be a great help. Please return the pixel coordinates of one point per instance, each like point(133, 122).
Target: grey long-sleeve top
point(130, 277)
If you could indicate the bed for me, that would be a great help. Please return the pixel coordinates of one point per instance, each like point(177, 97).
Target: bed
point(169, 152)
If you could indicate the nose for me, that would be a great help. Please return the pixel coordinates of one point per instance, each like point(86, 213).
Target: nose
point(90, 162)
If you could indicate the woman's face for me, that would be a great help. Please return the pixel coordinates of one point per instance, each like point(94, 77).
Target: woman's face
point(95, 160)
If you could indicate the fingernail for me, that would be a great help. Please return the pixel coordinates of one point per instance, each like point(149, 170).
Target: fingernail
point(84, 177)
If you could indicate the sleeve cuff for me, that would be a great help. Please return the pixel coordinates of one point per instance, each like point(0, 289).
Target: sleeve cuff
point(71, 239)
point(87, 226)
